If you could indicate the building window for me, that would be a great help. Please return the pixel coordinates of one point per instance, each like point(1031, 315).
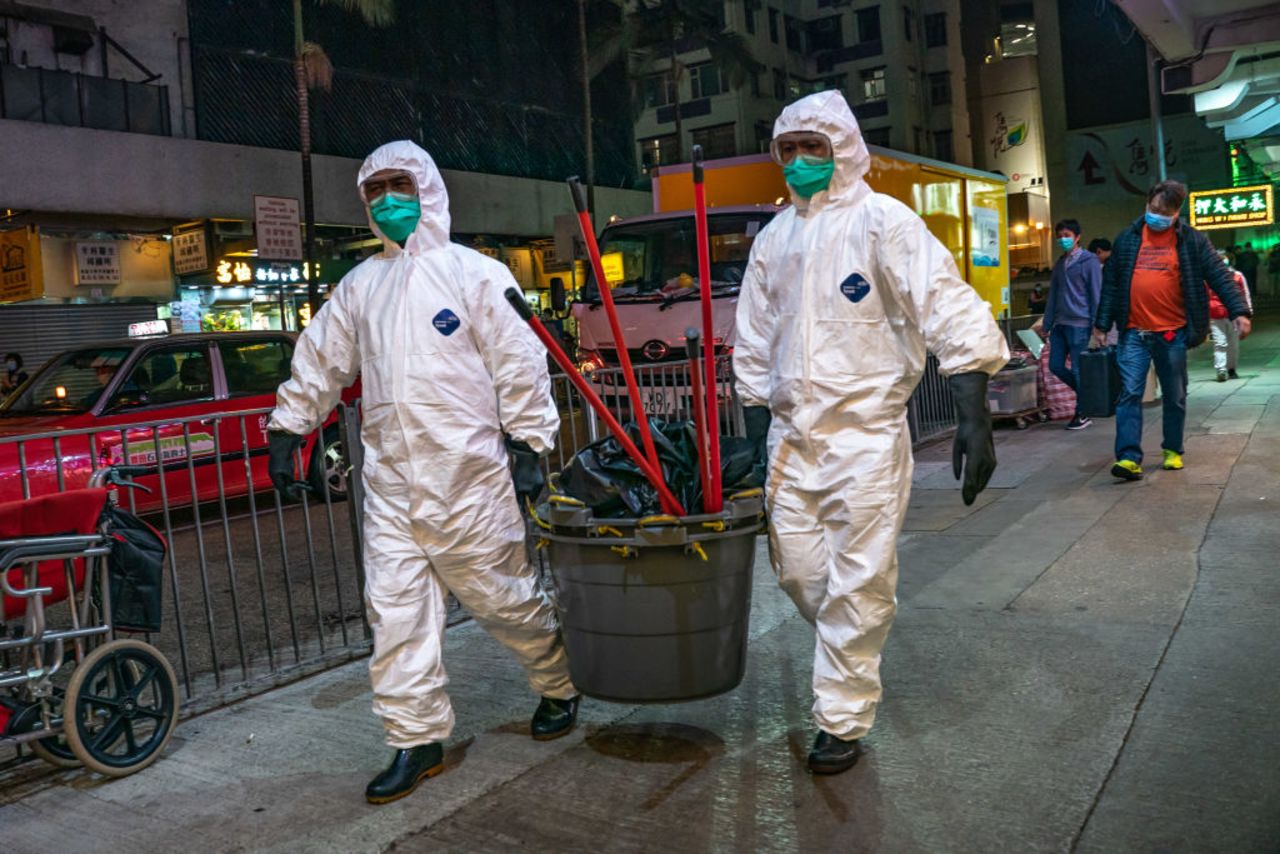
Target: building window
point(872, 84)
point(716, 141)
point(773, 25)
point(751, 18)
point(779, 84)
point(913, 83)
point(940, 88)
point(705, 80)
point(764, 135)
point(658, 151)
point(868, 24)
point(908, 22)
point(935, 29)
point(835, 81)
point(755, 84)
point(795, 34)
point(942, 148)
point(659, 90)
point(824, 33)
point(876, 136)
point(1018, 38)
point(917, 141)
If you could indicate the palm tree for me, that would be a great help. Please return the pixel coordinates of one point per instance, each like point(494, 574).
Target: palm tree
point(312, 70)
point(656, 30)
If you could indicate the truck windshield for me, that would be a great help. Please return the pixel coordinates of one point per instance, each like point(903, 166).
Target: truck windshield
point(68, 385)
point(658, 259)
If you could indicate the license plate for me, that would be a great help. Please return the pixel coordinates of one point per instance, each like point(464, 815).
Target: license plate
point(659, 401)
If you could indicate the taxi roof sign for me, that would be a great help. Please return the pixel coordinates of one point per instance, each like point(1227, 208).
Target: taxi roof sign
point(1232, 207)
point(148, 327)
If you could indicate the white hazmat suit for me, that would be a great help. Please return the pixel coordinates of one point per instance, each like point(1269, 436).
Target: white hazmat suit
point(446, 368)
point(844, 293)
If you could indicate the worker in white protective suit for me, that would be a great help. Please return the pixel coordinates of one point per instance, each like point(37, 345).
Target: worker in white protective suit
point(845, 293)
point(447, 369)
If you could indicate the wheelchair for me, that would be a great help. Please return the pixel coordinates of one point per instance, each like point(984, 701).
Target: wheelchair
point(72, 692)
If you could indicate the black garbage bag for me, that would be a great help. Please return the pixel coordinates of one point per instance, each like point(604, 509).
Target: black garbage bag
point(135, 572)
point(604, 478)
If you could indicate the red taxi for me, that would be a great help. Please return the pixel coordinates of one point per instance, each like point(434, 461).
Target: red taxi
point(114, 387)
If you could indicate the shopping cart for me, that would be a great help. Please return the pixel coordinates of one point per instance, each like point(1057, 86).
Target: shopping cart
point(72, 692)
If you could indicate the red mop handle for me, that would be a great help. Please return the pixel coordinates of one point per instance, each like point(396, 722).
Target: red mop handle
point(691, 337)
point(714, 500)
point(654, 475)
point(619, 341)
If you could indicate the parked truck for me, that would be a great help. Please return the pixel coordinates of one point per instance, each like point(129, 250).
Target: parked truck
point(651, 266)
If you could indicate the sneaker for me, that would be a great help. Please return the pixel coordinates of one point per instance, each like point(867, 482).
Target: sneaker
point(1222, 376)
point(1232, 374)
point(1126, 470)
point(1079, 423)
point(1172, 461)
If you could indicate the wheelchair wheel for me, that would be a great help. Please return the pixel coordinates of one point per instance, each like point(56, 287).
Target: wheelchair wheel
point(121, 708)
point(55, 749)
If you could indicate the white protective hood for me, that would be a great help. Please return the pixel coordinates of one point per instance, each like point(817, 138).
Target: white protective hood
point(828, 113)
point(432, 230)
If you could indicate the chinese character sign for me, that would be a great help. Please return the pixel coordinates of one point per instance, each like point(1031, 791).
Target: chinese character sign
point(98, 262)
point(21, 277)
point(190, 250)
point(1234, 207)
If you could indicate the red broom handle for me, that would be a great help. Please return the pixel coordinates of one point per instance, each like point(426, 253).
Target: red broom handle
point(691, 337)
point(714, 498)
point(653, 474)
point(619, 341)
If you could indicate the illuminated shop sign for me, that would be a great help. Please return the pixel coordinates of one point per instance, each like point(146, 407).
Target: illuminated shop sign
point(236, 271)
point(1235, 207)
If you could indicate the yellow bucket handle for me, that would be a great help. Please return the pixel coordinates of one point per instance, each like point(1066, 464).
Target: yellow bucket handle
point(565, 500)
point(533, 514)
point(697, 549)
point(747, 493)
point(609, 529)
point(659, 519)
point(716, 525)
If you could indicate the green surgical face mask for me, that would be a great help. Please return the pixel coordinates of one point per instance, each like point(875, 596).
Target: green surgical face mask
point(396, 215)
point(808, 175)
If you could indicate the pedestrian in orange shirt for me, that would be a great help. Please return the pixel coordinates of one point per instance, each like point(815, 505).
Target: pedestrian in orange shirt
point(1154, 292)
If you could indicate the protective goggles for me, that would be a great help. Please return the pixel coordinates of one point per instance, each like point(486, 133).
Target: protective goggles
point(786, 147)
point(378, 186)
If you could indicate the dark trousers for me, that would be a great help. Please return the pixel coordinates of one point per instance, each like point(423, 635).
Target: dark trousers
point(1067, 341)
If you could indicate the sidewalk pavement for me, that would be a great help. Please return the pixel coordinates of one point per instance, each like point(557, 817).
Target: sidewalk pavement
point(1077, 664)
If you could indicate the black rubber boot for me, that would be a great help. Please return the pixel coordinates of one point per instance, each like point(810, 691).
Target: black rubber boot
point(831, 755)
point(554, 718)
point(408, 769)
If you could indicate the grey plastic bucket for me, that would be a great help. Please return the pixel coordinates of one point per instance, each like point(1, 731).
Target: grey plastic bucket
point(655, 610)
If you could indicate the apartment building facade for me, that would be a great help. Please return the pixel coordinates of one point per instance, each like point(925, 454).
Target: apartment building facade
point(898, 62)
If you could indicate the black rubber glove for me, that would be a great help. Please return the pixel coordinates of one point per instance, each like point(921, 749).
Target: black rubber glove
point(282, 448)
point(526, 471)
point(974, 451)
point(757, 420)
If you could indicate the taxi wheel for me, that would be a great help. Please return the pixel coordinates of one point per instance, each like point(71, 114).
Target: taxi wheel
point(329, 466)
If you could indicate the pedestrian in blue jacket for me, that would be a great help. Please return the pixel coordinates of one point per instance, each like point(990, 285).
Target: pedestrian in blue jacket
point(1074, 289)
